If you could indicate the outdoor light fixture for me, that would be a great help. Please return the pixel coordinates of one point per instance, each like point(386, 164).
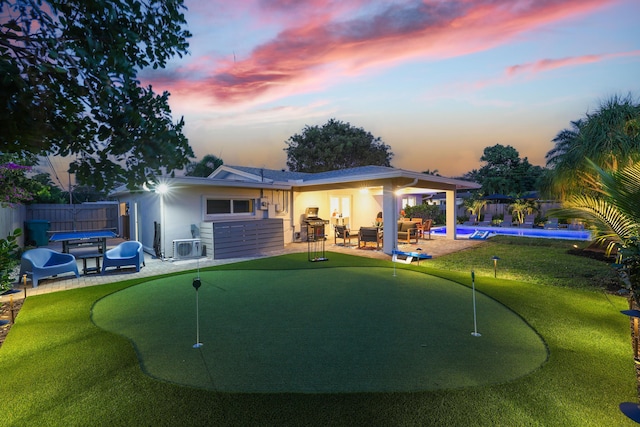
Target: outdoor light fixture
point(162, 188)
point(495, 265)
point(630, 409)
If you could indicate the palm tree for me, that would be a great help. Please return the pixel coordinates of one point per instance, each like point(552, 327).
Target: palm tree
point(520, 208)
point(474, 205)
point(613, 209)
point(610, 137)
point(611, 205)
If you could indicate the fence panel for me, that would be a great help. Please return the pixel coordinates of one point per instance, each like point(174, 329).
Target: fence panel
point(245, 238)
point(86, 216)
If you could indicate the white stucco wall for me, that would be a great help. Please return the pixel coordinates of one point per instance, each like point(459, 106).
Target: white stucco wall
point(185, 206)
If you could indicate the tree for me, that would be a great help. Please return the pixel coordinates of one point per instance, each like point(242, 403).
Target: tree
point(612, 208)
point(336, 145)
point(610, 137)
point(45, 191)
point(204, 167)
point(505, 173)
point(69, 85)
point(474, 205)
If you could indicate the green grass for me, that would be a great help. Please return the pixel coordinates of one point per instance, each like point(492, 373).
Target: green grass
point(539, 261)
point(58, 368)
point(346, 329)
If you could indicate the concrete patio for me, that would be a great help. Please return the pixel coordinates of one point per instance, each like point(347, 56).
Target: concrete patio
point(436, 246)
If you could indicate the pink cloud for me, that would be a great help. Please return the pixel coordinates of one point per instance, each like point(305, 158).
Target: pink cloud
point(551, 64)
point(327, 39)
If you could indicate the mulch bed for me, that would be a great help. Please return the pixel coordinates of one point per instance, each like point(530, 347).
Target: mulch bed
point(6, 312)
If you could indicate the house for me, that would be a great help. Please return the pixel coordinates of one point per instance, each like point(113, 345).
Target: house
point(238, 211)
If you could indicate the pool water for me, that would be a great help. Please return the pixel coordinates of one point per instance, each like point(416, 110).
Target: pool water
point(467, 230)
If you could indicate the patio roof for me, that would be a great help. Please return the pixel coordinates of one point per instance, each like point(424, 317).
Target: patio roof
point(345, 178)
point(364, 176)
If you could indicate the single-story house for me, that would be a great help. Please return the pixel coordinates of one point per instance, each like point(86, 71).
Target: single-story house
point(241, 210)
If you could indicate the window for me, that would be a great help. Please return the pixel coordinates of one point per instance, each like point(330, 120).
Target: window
point(341, 206)
point(228, 207)
point(408, 201)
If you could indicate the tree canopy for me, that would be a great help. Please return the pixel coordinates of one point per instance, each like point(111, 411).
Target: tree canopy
point(69, 85)
point(204, 167)
point(609, 137)
point(335, 145)
point(504, 172)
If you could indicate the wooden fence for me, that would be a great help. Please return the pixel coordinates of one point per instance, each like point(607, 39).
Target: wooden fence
point(10, 219)
point(85, 216)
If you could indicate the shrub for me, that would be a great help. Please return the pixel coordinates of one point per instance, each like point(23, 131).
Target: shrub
point(8, 258)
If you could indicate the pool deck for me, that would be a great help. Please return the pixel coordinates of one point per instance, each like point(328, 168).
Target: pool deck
point(436, 246)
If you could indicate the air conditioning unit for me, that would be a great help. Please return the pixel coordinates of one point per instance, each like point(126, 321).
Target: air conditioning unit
point(186, 248)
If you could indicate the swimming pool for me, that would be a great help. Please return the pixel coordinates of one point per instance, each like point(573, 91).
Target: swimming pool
point(467, 230)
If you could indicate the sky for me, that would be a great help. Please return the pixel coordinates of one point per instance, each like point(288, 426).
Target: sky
point(436, 80)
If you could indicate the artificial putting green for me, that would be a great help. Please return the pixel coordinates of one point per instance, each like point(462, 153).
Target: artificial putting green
point(336, 330)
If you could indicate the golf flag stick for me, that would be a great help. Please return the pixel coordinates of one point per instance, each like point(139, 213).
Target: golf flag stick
point(393, 258)
point(196, 285)
point(473, 292)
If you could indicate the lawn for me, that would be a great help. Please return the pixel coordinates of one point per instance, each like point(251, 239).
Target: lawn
point(58, 368)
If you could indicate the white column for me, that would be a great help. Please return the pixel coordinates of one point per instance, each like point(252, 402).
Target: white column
point(451, 214)
point(390, 218)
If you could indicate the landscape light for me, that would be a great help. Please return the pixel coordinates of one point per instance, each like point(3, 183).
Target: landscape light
point(495, 265)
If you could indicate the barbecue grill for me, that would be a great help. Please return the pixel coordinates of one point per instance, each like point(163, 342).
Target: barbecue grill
point(315, 235)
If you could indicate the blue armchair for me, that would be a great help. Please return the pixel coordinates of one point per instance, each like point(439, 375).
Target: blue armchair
point(42, 262)
point(126, 253)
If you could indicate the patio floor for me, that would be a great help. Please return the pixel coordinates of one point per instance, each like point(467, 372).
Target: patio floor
point(436, 246)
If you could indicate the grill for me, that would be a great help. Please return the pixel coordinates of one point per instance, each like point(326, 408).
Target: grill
point(315, 236)
point(314, 224)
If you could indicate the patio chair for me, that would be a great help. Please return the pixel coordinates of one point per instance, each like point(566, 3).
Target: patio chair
point(369, 235)
point(575, 225)
point(529, 221)
point(407, 231)
point(552, 224)
point(473, 220)
point(42, 262)
point(507, 221)
point(342, 232)
point(425, 227)
point(125, 254)
point(487, 221)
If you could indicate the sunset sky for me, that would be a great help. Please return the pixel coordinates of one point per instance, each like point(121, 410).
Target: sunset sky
point(437, 80)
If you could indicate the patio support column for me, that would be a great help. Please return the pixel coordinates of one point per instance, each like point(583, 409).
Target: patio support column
point(451, 213)
point(390, 218)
